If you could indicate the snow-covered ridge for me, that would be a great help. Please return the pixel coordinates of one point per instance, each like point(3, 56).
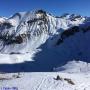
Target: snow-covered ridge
point(75, 67)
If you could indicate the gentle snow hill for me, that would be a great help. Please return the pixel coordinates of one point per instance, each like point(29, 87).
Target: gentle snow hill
point(45, 81)
point(74, 67)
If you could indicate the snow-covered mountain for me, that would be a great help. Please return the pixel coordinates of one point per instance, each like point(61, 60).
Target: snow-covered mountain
point(42, 38)
point(29, 30)
point(40, 42)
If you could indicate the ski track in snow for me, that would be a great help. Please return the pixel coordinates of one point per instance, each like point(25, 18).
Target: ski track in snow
point(46, 81)
point(40, 84)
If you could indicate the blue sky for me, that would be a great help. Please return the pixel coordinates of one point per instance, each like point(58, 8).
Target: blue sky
point(56, 7)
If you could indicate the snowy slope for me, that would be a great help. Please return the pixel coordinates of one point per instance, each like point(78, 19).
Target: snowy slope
point(45, 81)
point(74, 67)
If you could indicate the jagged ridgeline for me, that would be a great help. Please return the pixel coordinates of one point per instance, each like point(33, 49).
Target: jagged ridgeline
point(32, 29)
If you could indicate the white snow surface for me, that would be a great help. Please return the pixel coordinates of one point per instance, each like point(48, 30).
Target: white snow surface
point(45, 81)
point(16, 58)
point(74, 67)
